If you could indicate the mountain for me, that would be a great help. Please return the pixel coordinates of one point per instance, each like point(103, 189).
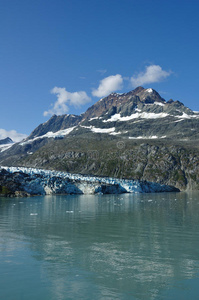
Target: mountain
point(5, 144)
point(6, 141)
point(141, 113)
point(135, 135)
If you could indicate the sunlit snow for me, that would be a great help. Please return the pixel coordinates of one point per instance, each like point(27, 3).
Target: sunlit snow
point(50, 134)
point(93, 118)
point(103, 130)
point(159, 103)
point(186, 116)
point(99, 130)
point(5, 147)
point(143, 115)
point(147, 137)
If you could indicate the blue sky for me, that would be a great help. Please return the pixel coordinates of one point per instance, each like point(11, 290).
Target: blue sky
point(61, 56)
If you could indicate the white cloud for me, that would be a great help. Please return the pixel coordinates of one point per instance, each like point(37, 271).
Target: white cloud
point(108, 85)
point(65, 98)
point(13, 134)
point(153, 73)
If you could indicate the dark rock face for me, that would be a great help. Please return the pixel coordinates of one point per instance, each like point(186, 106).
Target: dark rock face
point(11, 185)
point(132, 135)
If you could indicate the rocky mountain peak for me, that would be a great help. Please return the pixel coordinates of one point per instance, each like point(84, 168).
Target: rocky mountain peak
point(150, 96)
point(117, 102)
point(6, 141)
point(138, 114)
point(137, 90)
point(113, 100)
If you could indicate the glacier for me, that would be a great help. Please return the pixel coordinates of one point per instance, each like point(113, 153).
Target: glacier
point(45, 182)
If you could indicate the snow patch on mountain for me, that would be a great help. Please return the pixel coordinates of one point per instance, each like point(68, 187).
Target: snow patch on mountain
point(5, 147)
point(119, 132)
point(103, 130)
point(159, 103)
point(155, 103)
point(143, 115)
point(50, 134)
point(95, 118)
point(186, 116)
point(147, 137)
point(99, 130)
point(149, 115)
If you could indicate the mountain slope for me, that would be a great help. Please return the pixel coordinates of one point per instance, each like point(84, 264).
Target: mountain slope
point(54, 124)
point(5, 144)
point(132, 135)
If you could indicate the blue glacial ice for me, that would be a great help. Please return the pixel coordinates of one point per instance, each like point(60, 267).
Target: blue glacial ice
point(56, 182)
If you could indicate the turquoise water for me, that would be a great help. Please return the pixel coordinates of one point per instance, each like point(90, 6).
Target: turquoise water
point(143, 246)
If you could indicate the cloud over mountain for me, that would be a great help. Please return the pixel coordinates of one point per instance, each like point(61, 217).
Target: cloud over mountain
point(152, 73)
point(13, 134)
point(64, 99)
point(108, 85)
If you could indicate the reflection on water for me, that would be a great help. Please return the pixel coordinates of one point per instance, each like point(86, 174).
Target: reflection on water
point(142, 246)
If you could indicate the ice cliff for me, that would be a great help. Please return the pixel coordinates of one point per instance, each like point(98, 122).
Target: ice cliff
point(44, 182)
